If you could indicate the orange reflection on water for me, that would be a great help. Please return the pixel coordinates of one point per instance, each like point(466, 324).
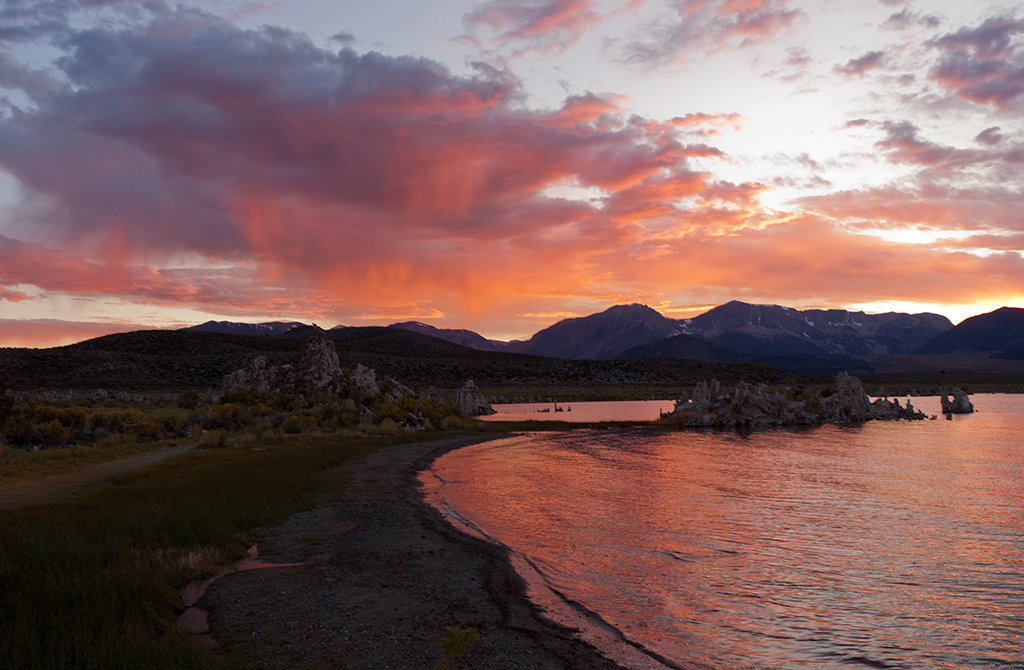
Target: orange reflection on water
point(888, 544)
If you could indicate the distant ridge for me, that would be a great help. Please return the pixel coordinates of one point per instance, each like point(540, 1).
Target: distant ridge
point(687, 346)
point(604, 335)
point(804, 341)
point(268, 328)
point(1000, 332)
point(772, 331)
point(465, 338)
point(735, 331)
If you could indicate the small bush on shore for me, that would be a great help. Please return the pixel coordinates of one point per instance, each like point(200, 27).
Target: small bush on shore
point(5, 400)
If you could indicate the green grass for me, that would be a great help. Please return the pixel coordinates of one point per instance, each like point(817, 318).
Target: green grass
point(18, 466)
point(94, 581)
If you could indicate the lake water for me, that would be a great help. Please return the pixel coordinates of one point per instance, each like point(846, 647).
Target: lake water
point(887, 545)
point(582, 412)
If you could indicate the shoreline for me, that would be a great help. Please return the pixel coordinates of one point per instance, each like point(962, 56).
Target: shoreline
point(383, 574)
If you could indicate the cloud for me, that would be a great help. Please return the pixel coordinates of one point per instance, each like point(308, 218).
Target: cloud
point(181, 161)
point(10, 295)
point(948, 187)
point(333, 174)
point(984, 64)
point(707, 26)
point(989, 136)
point(27, 20)
point(906, 20)
point(904, 145)
point(858, 66)
point(545, 26)
point(36, 84)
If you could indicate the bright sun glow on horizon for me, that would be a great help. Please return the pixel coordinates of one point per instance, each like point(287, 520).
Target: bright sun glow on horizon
point(955, 313)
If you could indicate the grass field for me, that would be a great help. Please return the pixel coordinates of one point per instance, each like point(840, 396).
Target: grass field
point(94, 581)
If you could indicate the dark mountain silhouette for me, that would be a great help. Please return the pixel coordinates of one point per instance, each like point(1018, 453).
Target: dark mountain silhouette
point(604, 335)
point(1000, 332)
point(771, 331)
point(179, 360)
point(465, 338)
point(268, 328)
point(794, 339)
point(687, 346)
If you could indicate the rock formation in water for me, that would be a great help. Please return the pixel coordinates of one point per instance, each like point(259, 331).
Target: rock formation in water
point(959, 404)
point(472, 402)
point(751, 406)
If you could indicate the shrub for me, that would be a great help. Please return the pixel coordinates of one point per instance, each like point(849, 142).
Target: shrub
point(115, 419)
point(173, 423)
point(453, 421)
point(145, 430)
point(214, 439)
point(388, 426)
point(188, 400)
point(454, 643)
point(73, 417)
point(292, 425)
point(282, 402)
point(246, 397)
point(53, 433)
point(19, 432)
point(6, 404)
point(229, 416)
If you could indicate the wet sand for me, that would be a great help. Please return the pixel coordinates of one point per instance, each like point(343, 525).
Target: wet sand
point(383, 575)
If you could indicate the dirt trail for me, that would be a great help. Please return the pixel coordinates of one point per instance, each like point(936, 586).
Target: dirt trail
point(52, 487)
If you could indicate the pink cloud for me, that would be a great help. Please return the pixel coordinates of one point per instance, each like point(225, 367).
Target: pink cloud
point(545, 26)
point(989, 136)
point(906, 20)
point(11, 295)
point(706, 26)
point(313, 184)
point(859, 66)
point(984, 64)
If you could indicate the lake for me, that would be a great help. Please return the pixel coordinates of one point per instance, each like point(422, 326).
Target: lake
point(582, 412)
point(886, 545)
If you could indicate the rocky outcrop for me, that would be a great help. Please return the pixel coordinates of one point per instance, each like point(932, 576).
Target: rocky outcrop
point(259, 377)
point(317, 372)
point(958, 404)
point(472, 402)
point(746, 405)
point(364, 380)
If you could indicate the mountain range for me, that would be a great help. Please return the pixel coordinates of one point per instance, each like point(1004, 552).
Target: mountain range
point(805, 341)
point(233, 328)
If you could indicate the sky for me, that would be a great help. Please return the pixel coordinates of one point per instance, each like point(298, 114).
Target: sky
point(500, 165)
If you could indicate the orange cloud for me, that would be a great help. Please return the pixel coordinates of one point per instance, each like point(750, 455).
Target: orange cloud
point(306, 184)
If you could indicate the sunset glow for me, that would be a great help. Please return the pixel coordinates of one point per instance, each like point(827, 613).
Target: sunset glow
point(502, 164)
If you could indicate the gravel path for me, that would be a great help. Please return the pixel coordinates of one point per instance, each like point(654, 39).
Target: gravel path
point(384, 574)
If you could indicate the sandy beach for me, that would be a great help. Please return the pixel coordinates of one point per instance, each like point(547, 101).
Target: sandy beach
point(383, 575)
